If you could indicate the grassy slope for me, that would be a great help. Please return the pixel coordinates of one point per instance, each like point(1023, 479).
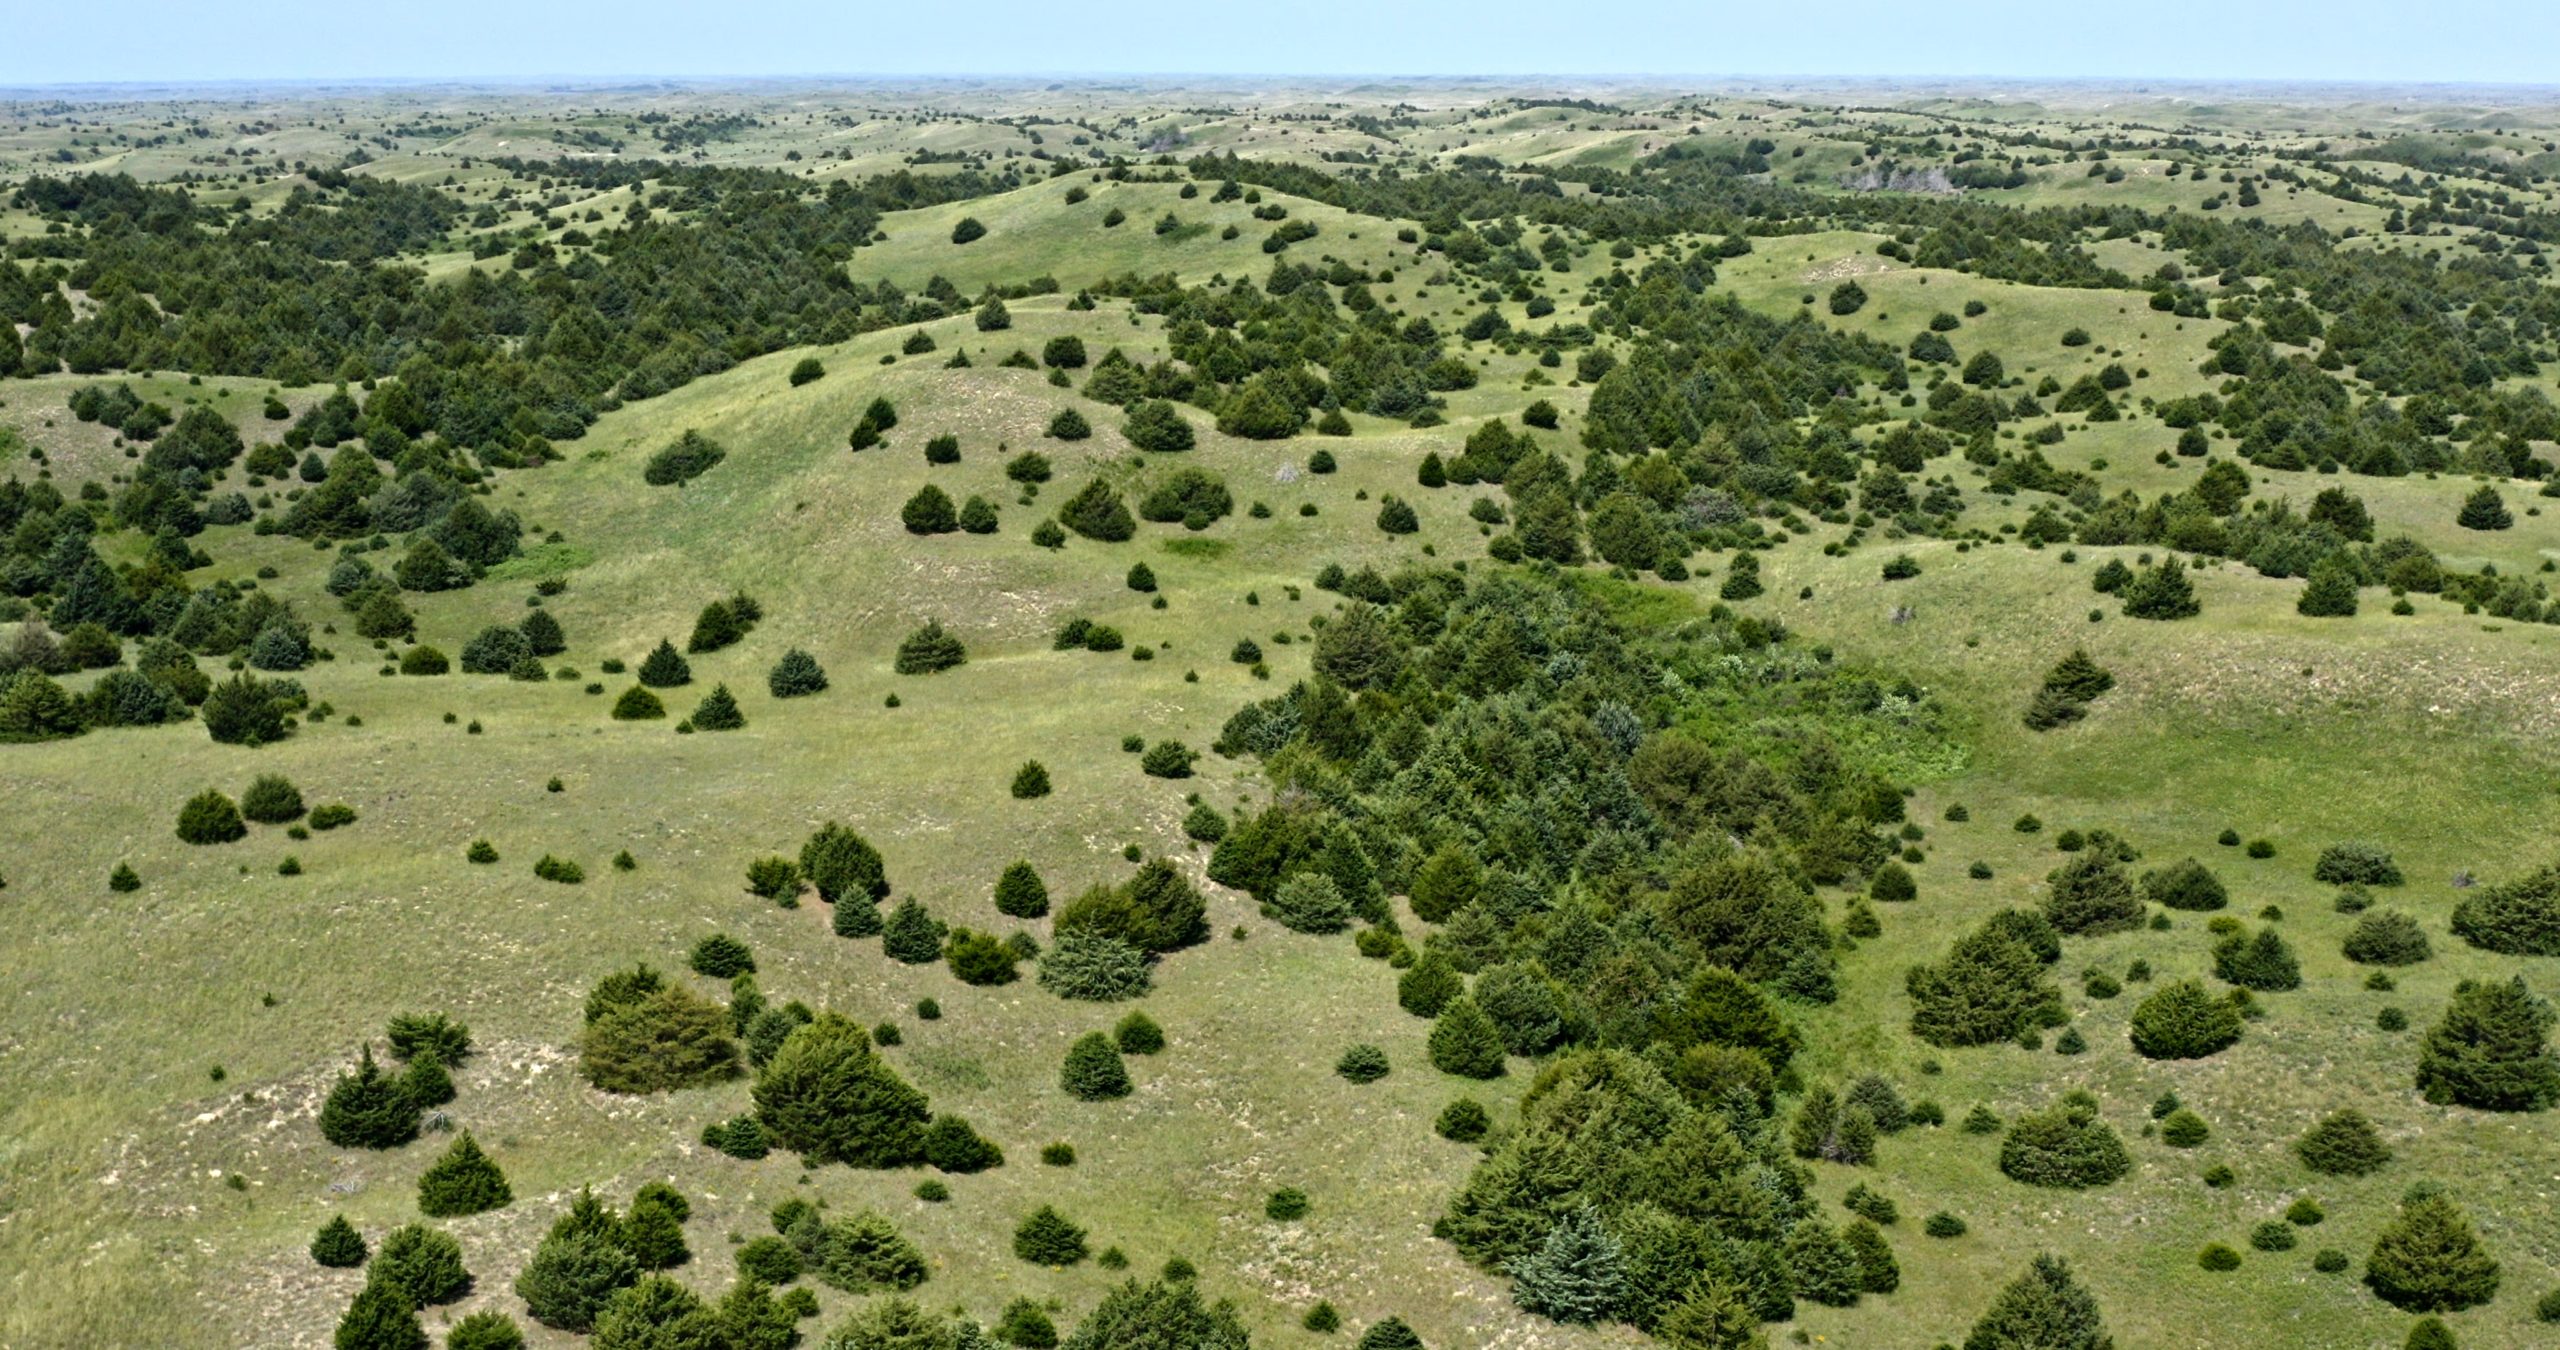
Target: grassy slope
point(2429, 733)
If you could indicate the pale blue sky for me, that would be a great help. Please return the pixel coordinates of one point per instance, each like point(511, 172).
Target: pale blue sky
point(2376, 40)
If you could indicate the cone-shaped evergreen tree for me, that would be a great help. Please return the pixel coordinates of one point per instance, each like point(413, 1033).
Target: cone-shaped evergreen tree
point(543, 634)
point(911, 935)
point(463, 1181)
point(2520, 917)
point(929, 512)
point(381, 1318)
point(1428, 985)
point(2090, 895)
point(1711, 1317)
point(2161, 592)
point(1823, 1267)
point(2484, 510)
point(338, 1244)
point(2078, 678)
point(1048, 1239)
point(424, 1264)
point(1093, 1071)
point(1464, 1041)
point(1310, 902)
point(2343, 1144)
point(858, 917)
point(841, 863)
point(665, 667)
point(2045, 1309)
point(827, 1096)
point(930, 649)
point(2428, 1259)
point(368, 1109)
point(2263, 961)
point(718, 711)
point(653, 1232)
point(2491, 1050)
point(2331, 593)
point(1878, 1272)
point(1578, 1274)
point(1031, 780)
point(1390, 1333)
point(1742, 580)
point(1020, 894)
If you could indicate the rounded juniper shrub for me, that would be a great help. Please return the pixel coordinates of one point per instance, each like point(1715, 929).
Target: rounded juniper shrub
point(770, 1259)
point(2183, 1128)
point(1892, 882)
point(210, 818)
point(2491, 1051)
point(2429, 1333)
point(271, 800)
point(424, 660)
point(1310, 902)
point(721, 957)
point(1046, 1238)
point(950, 1145)
point(1138, 1034)
point(2517, 918)
point(1286, 1205)
point(796, 675)
point(380, 1318)
point(338, 1244)
point(464, 1181)
point(2218, 1256)
point(1093, 965)
point(1026, 1326)
point(929, 650)
point(423, 1264)
point(2343, 1143)
point(1362, 1063)
point(1031, 780)
point(2185, 884)
point(2386, 937)
point(2065, 1146)
point(1020, 894)
point(2181, 1020)
point(2263, 961)
point(1167, 759)
point(1464, 1041)
point(2329, 1261)
point(2274, 1235)
point(1093, 1070)
point(1463, 1121)
point(484, 1330)
point(1204, 823)
point(979, 958)
point(1943, 1225)
point(2090, 895)
point(910, 935)
point(2356, 863)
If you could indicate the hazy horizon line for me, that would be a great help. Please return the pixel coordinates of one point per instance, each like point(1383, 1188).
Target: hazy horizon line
point(540, 82)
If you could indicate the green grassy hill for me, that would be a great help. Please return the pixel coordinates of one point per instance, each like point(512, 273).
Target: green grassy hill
point(169, 1045)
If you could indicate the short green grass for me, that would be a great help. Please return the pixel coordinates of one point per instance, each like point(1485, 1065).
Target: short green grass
point(2432, 733)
